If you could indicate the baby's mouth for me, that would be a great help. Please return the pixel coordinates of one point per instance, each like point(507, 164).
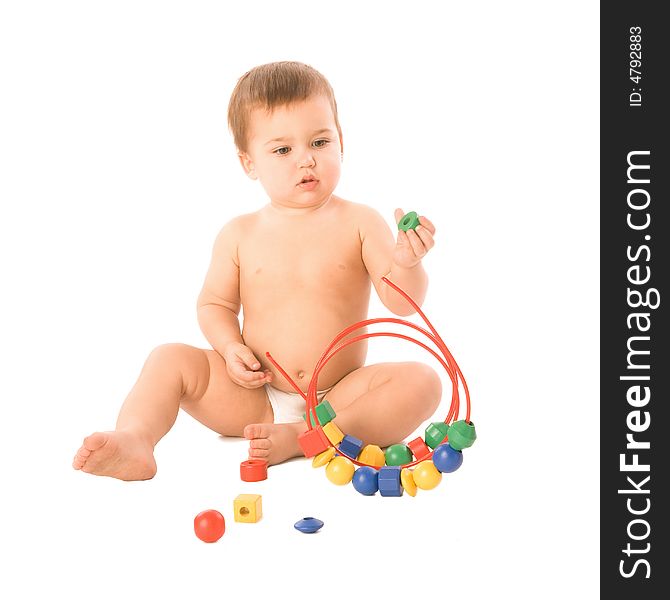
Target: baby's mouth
point(308, 182)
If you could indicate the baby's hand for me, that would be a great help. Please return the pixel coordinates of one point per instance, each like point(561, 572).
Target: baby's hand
point(243, 367)
point(413, 245)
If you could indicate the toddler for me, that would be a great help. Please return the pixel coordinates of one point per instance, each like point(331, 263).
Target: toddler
point(302, 268)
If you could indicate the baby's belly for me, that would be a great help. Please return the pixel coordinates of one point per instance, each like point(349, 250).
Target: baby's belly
point(297, 336)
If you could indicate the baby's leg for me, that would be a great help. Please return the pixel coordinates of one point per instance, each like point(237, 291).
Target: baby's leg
point(174, 376)
point(382, 404)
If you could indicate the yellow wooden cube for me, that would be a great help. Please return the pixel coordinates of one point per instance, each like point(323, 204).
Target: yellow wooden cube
point(333, 433)
point(248, 508)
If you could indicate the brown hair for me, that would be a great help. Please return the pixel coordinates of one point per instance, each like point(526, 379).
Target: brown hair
point(270, 86)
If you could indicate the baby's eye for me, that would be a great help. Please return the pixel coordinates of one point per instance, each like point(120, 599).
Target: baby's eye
point(282, 151)
point(320, 143)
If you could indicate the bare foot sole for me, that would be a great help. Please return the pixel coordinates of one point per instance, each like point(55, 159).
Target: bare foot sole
point(119, 454)
point(274, 443)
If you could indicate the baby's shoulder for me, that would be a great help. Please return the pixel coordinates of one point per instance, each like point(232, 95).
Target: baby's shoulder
point(239, 225)
point(364, 217)
point(361, 213)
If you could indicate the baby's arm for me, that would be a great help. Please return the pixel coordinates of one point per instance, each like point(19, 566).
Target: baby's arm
point(219, 306)
point(399, 261)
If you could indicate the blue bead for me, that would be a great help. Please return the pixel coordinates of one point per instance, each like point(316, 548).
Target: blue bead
point(350, 446)
point(365, 481)
point(308, 525)
point(389, 481)
point(446, 459)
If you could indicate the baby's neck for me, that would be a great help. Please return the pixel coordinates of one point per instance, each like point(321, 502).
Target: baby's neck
point(296, 211)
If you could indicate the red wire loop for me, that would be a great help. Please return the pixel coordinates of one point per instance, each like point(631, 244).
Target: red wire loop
point(448, 362)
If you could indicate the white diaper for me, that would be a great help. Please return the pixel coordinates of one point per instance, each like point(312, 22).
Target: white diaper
point(288, 407)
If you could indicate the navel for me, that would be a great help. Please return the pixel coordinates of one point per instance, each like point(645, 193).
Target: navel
point(301, 374)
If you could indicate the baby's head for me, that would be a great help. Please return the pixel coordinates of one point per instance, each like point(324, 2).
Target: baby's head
point(283, 117)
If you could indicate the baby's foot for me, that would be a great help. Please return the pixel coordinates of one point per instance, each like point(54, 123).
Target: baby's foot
point(120, 454)
point(274, 443)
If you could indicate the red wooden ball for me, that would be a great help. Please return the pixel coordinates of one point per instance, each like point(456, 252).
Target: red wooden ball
point(209, 525)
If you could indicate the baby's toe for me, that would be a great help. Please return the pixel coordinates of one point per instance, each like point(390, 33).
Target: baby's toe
point(259, 452)
point(80, 458)
point(260, 444)
point(257, 430)
point(95, 441)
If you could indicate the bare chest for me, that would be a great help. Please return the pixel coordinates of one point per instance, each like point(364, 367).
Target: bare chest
point(325, 258)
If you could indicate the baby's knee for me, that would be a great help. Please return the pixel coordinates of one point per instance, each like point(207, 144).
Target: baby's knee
point(188, 362)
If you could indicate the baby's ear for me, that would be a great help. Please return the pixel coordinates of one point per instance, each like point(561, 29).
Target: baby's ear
point(247, 164)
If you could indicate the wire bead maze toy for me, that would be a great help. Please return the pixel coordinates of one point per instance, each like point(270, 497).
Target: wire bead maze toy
point(388, 472)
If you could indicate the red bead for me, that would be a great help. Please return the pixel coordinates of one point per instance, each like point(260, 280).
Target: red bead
point(419, 448)
point(313, 442)
point(254, 469)
point(209, 525)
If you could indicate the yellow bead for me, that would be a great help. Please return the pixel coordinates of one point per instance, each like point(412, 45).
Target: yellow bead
point(333, 433)
point(426, 476)
point(372, 455)
point(248, 508)
point(340, 470)
point(407, 481)
point(324, 458)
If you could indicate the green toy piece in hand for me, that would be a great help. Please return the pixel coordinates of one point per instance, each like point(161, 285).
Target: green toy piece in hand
point(409, 221)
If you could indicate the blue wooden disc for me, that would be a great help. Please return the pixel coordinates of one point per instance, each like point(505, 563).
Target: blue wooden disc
point(308, 525)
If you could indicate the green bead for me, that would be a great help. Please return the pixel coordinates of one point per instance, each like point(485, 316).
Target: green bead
point(409, 221)
point(461, 434)
point(435, 433)
point(324, 413)
point(398, 455)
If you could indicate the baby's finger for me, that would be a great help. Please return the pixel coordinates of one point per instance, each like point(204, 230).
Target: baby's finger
point(425, 236)
point(402, 238)
point(250, 385)
point(398, 214)
point(416, 243)
point(427, 223)
point(248, 358)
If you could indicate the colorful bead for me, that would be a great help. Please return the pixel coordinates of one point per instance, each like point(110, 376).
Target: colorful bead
point(333, 433)
point(409, 221)
point(351, 446)
point(426, 476)
point(340, 470)
point(398, 454)
point(461, 434)
point(389, 481)
point(407, 481)
point(308, 525)
point(209, 525)
point(248, 508)
point(372, 455)
point(366, 481)
point(324, 413)
point(446, 459)
point(435, 433)
point(324, 458)
point(419, 448)
point(254, 469)
point(313, 442)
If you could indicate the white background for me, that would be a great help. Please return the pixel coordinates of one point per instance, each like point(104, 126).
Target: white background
point(116, 173)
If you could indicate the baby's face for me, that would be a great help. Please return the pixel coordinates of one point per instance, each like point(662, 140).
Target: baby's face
point(295, 152)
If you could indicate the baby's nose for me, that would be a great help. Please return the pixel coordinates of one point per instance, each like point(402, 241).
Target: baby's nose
point(306, 160)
